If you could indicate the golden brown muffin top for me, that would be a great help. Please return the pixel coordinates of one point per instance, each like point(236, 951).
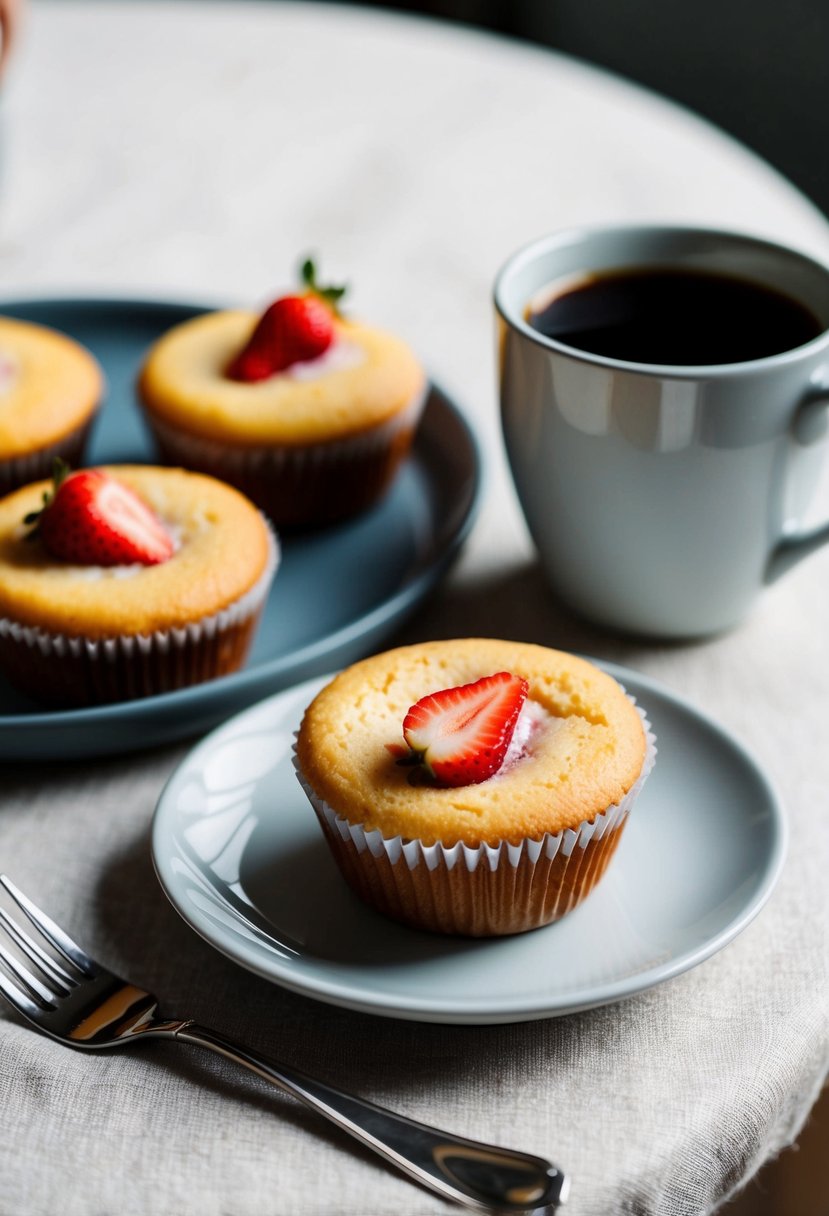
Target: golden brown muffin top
point(583, 758)
point(49, 386)
point(223, 549)
point(367, 377)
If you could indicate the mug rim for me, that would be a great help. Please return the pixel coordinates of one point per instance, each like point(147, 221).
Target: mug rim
point(675, 371)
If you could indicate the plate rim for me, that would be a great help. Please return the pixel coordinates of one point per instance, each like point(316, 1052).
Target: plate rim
point(502, 1011)
point(390, 609)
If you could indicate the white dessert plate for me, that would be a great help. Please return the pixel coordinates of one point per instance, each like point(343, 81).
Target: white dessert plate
point(238, 851)
point(382, 564)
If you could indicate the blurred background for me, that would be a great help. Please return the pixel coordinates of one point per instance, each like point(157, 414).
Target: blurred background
point(756, 68)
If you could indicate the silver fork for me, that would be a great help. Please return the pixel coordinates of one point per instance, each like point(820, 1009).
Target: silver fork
point(82, 1004)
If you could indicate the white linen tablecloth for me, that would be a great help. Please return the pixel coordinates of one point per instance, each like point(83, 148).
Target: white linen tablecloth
point(195, 150)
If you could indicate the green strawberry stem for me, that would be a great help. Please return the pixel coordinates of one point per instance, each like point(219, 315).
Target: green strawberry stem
point(412, 758)
point(60, 471)
point(331, 295)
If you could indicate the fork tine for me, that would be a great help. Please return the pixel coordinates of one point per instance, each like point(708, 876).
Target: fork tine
point(20, 1000)
point(24, 976)
point(52, 932)
point(49, 966)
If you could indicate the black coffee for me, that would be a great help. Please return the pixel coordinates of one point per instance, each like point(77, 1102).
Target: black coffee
point(675, 317)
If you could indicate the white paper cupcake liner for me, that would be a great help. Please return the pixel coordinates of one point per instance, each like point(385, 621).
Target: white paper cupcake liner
point(66, 669)
point(541, 879)
point(303, 484)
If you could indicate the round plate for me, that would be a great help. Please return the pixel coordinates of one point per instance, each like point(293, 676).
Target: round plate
point(238, 850)
point(382, 564)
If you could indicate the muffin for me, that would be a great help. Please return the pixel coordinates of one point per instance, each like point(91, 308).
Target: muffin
point(50, 389)
point(131, 581)
point(534, 813)
point(303, 410)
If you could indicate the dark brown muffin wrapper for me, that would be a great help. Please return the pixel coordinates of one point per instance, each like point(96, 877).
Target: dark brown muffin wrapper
point(17, 471)
point(300, 486)
point(480, 891)
point(77, 671)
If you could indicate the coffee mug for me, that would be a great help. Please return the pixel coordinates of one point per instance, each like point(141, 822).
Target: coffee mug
point(662, 498)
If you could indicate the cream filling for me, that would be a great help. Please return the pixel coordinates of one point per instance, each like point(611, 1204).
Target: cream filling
point(533, 723)
point(93, 574)
point(9, 369)
point(340, 356)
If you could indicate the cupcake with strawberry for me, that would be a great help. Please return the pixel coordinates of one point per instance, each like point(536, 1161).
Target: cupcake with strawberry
point(309, 413)
point(475, 786)
point(50, 390)
point(128, 581)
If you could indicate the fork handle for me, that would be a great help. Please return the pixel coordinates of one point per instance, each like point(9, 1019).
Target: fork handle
point(480, 1176)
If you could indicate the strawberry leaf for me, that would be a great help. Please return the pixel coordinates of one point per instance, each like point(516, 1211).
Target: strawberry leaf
point(330, 294)
point(60, 471)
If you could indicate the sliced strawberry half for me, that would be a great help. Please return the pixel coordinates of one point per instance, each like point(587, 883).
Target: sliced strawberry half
point(461, 735)
point(294, 329)
point(93, 519)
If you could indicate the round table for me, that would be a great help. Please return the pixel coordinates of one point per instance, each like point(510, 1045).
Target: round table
point(195, 151)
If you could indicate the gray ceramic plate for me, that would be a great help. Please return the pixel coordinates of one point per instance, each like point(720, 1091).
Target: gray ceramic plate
point(238, 851)
point(382, 565)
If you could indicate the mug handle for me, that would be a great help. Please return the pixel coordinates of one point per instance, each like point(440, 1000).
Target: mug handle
point(810, 426)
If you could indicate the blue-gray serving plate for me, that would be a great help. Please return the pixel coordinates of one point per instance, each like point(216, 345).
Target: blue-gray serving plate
point(338, 593)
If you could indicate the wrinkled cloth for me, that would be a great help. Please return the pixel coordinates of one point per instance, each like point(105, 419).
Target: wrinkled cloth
point(660, 1104)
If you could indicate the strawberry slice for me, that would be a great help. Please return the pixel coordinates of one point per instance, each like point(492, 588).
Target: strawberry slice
point(92, 519)
point(294, 329)
point(461, 735)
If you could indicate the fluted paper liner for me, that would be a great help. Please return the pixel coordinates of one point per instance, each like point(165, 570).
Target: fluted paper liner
point(300, 485)
point(79, 671)
point(484, 890)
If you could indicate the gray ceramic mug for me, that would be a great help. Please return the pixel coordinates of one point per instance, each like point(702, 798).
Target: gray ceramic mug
point(662, 499)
